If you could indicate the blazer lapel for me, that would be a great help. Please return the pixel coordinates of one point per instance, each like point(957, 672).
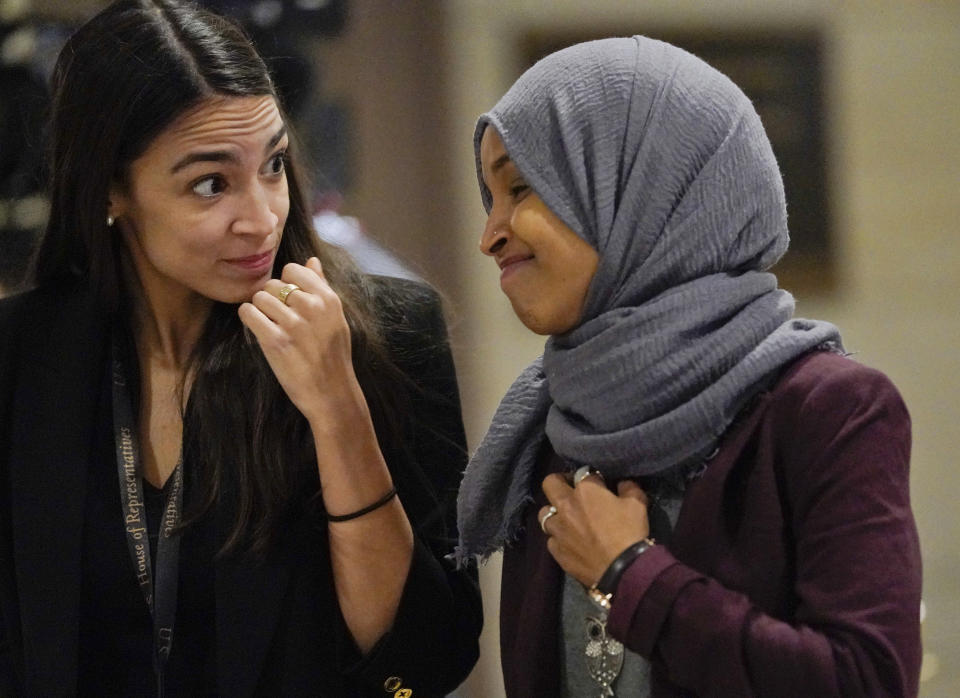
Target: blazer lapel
point(55, 398)
point(249, 596)
point(706, 502)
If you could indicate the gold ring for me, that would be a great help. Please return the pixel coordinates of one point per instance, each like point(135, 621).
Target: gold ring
point(552, 511)
point(284, 293)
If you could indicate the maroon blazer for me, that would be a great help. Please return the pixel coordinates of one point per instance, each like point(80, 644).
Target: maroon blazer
point(794, 567)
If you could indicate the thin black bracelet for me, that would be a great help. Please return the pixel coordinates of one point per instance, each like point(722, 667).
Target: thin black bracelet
point(367, 509)
point(608, 582)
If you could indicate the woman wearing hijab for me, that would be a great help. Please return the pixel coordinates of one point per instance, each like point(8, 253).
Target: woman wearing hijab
point(695, 492)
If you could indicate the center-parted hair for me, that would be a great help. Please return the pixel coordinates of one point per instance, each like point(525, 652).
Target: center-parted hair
point(120, 80)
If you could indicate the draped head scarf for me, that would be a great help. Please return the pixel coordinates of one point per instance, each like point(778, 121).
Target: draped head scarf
point(661, 164)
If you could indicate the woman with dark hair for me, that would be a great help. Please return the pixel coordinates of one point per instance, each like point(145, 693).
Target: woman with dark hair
point(695, 492)
point(227, 457)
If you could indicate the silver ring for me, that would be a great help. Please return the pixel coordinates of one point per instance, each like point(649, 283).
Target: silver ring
point(543, 520)
point(584, 472)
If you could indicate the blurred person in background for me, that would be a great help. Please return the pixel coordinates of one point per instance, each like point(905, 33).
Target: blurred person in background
point(227, 457)
point(696, 493)
point(27, 51)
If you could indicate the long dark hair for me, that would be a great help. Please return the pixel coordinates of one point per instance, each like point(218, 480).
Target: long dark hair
point(121, 79)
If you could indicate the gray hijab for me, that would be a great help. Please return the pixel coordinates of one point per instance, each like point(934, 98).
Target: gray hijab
point(661, 164)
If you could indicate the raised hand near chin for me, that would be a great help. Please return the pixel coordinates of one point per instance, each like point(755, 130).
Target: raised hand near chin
point(299, 323)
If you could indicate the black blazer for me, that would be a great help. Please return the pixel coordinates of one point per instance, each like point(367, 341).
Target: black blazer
point(278, 626)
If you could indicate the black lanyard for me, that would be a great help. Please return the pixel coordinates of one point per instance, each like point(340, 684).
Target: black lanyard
point(160, 594)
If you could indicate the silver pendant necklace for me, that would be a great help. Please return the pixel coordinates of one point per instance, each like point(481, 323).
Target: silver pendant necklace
point(604, 655)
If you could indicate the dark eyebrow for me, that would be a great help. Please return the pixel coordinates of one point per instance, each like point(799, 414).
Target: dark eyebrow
point(499, 163)
point(222, 155)
point(207, 156)
point(277, 138)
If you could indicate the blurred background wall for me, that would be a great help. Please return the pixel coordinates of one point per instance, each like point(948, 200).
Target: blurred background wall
point(405, 81)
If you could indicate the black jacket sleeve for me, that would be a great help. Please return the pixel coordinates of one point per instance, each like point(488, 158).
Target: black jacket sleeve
point(434, 641)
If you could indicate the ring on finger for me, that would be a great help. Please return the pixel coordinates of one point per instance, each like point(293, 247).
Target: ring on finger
point(584, 472)
point(552, 511)
point(284, 293)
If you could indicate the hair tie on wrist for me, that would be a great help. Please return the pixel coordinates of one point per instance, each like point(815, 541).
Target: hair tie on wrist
point(367, 509)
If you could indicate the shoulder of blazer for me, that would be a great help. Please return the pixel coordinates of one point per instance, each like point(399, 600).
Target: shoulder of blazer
point(48, 327)
point(14, 312)
point(410, 314)
point(411, 322)
point(412, 325)
point(31, 316)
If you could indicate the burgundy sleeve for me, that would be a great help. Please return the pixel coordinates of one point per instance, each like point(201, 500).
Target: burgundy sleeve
point(842, 449)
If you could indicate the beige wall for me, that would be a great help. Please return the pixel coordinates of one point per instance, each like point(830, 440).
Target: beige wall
point(387, 70)
point(893, 105)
